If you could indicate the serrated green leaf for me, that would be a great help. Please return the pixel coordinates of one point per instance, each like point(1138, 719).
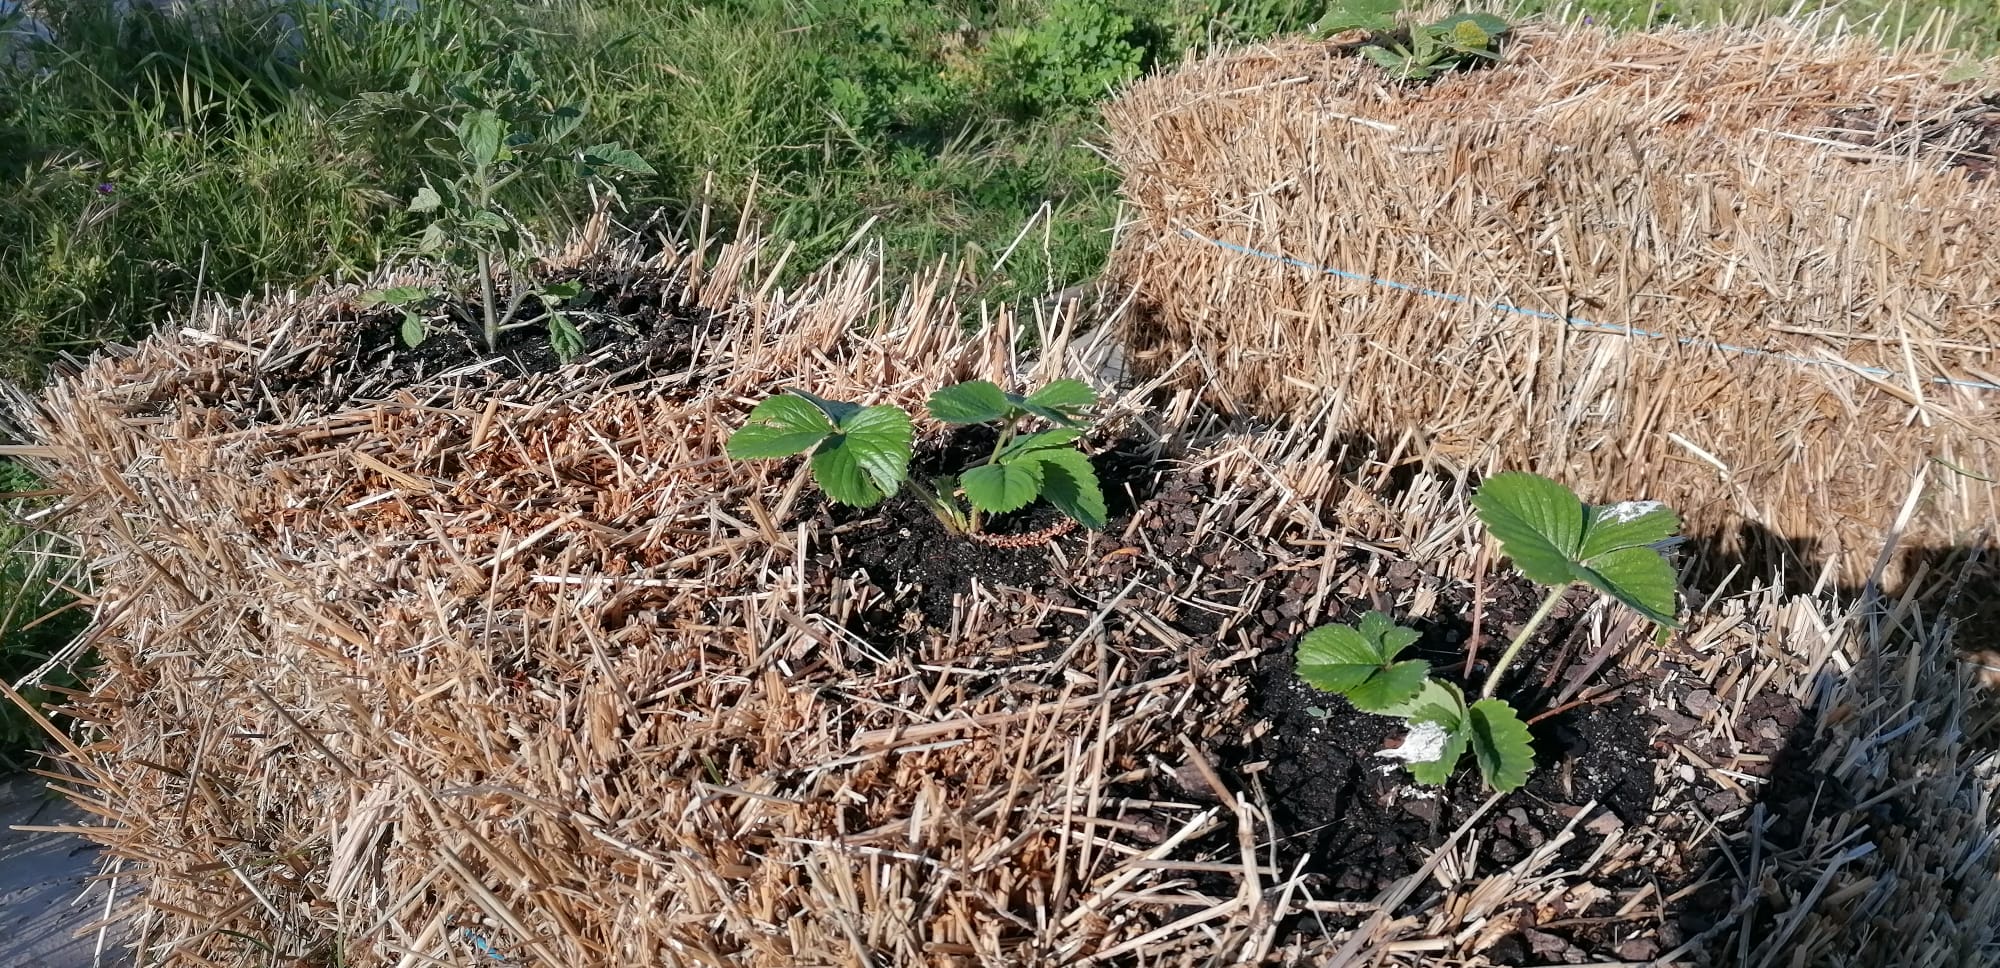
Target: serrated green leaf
point(1391, 687)
point(561, 122)
point(1641, 578)
point(971, 402)
point(1438, 772)
point(1631, 524)
point(1000, 488)
point(1064, 395)
point(1070, 483)
point(426, 199)
point(837, 411)
point(1336, 658)
point(881, 440)
point(562, 290)
point(1436, 702)
point(1359, 663)
point(479, 137)
point(564, 338)
point(779, 427)
point(1501, 743)
point(414, 331)
point(1388, 638)
point(1538, 522)
point(618, 158)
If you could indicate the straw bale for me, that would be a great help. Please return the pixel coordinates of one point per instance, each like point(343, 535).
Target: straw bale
point(497, 670)
point(1751, 271)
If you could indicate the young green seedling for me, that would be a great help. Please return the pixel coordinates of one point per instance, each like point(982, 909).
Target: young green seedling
point(1454, 42)
point(1557, 541)
point(503, 128)
point(1360, 663)
point(1022, 466)
point(860, 454)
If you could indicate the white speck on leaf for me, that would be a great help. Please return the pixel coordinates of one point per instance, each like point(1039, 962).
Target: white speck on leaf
point(1424, 744)
point(1625, 511)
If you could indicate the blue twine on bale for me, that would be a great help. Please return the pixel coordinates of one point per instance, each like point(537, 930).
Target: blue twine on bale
point(480, 942)
point(1573, 321)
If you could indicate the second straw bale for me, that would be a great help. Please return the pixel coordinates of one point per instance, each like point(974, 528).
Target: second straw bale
point(1754, 272)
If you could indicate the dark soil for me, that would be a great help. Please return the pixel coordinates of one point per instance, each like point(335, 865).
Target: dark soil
point(633, 325)
point(1967, 138)
point(910, 549)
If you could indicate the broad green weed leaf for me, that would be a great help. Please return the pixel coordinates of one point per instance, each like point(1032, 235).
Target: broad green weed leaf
point(490, 221)
point(779, 427)
point(1000, 488)
point(1538, 522)
point(479, 137)
point(413, 329)
point(879, 439)
point(562, 290)
point(1366, 14)
point(426, 200)
point(1070, 483)
point(618, 158)
point(971, 402)
point(1639, 577)
point(1632, 524)
point(563, 338)
point(1501, 743)
point(561, 122)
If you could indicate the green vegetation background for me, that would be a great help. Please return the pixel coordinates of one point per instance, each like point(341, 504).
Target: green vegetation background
point(147, 159)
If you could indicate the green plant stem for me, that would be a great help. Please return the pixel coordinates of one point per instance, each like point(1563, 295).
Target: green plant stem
point(1527, 632)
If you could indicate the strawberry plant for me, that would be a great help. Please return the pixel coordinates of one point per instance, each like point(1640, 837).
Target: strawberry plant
point(1554, 540)
point(861, 455)
point(1022, 466)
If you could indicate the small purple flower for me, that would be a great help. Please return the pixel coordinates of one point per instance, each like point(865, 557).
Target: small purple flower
point(106, 188)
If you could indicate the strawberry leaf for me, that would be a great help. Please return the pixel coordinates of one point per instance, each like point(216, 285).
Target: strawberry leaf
point(780, 427)
point(1359, 663)
point(971, 402)
point(1501, 743)
point(1000, 488)
point(1070, 483)
point(1539, 523)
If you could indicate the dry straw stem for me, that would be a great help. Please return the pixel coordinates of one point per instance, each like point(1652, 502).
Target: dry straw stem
point(520, 668)
point(1781, 206)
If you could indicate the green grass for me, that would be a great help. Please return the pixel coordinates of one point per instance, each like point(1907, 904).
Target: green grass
point(163, 159)
point(37, 574)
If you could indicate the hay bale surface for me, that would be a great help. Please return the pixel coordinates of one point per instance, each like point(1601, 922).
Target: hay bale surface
point(497, 668)
point(1752, 272)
